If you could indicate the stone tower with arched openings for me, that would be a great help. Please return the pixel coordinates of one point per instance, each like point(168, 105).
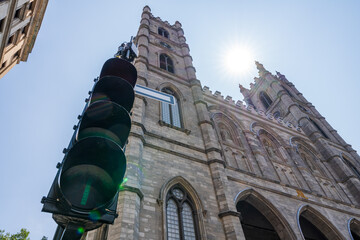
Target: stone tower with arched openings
point(208, 167)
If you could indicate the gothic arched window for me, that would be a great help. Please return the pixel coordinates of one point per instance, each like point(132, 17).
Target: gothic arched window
point(170, 113)
point(181, 221)
point(163, 32)
point(265, 100)
point(166, 63)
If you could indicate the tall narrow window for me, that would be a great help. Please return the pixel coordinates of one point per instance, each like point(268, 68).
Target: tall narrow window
point(3, 65)
point(2, 23)
point(31, 5)
point(265, 100)
point(352, 167)
point(318, 128)
point(11, 40)
point(17, 13)
point(166, 63)
point(171, 113)
point(180, 217)
point(287, 91)
point(163, 32)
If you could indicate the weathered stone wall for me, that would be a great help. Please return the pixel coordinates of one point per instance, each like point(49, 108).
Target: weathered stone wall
point(226, 152)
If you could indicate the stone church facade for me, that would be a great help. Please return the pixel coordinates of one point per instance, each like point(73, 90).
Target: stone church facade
point(210, 168)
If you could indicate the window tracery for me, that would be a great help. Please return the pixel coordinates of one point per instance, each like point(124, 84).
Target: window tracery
point(270, 149)
point(166, 63)
point(225, 133)
point(180, 215)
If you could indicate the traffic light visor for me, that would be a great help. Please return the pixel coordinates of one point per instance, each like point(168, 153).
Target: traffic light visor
point(114, 89)
point(119, 68)
point(105, 119)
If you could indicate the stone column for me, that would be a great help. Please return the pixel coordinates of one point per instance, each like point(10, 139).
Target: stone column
point(311, 183)
point(341, 170)
point(251, 159)
point(190, 70)
point(227, 209)
point(266, 167)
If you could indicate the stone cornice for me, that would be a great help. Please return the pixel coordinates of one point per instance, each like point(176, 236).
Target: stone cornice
point(211, 161)
point(229, 213)
point(213, 149)
point(168, 140)
point(318, 203)
point(132, 189)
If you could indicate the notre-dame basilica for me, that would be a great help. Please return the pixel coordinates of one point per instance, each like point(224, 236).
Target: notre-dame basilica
point(211, 168)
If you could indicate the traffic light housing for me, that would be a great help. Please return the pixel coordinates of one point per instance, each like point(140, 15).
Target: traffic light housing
point(85, 190)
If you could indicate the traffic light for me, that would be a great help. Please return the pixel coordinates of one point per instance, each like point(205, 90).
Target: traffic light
point(85, 190)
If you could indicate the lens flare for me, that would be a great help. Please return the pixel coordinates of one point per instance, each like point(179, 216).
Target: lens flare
point(94, 216)
point(121, 186)
point(98, 97)
point(80, 230)
point(238, 59)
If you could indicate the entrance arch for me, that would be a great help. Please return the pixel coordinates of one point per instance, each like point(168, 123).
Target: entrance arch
point(354, 229)
point(314, 226)
point(260, 220)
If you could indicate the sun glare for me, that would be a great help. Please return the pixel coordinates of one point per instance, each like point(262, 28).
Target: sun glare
point(238, 60)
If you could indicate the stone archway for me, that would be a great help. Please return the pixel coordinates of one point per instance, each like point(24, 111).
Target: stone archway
point(314, 226)
point(354, 229)
point(260, 220)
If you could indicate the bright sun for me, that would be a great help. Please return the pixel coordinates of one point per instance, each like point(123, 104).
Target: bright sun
point(238, 60)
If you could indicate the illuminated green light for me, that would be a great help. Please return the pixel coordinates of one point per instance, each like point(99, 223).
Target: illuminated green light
point(80, 230)
point(85, 194)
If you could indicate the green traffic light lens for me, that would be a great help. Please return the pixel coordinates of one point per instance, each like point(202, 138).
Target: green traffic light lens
point(93, 170)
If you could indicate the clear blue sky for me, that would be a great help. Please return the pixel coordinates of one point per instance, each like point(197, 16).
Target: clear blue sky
point(314, 43)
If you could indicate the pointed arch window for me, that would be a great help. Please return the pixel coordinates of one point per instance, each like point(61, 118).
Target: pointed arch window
point(180, 215)
point(265, 99)
point(171, 113)
point(166, 63)
point(163, 32)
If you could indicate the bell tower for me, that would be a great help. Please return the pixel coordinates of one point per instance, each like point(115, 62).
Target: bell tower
point(275, 95)
point(162, 50)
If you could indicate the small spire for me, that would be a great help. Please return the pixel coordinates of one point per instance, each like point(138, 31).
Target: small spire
point(281, 76)
point(146, 9)
point(178, 24)
point(244, 91)
point(262, 70)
